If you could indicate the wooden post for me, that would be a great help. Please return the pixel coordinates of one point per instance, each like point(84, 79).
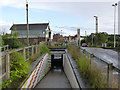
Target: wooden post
point(39, 47)
point(24, 53)
point(4, 48)
point(7, 47)
point(32, 50)
point(109, 75)
point(36, 48)
point(7, 65)
point(28, 53)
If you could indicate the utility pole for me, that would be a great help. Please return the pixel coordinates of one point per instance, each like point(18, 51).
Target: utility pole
point(27, 23)
point(114, 20)
point(96, 23)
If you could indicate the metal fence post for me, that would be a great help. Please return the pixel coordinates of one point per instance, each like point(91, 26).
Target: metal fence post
point(109, 75)
point(7, 65)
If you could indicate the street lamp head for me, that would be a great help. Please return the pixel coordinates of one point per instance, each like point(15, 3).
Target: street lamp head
point(115, 4)
point(95, 16)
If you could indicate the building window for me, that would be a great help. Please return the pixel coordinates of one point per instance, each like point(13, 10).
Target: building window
point(43, 32)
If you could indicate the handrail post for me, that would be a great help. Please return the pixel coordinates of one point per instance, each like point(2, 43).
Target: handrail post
point(4, 49)
point(36, 48)
point(28, 53)
point(32, 50)
point(7, 65)
point(7, 47)
point(109, 75)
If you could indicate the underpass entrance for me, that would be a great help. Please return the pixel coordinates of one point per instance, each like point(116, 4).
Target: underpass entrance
point(56, 61)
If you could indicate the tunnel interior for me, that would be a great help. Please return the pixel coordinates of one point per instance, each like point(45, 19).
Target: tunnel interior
point(57, 61)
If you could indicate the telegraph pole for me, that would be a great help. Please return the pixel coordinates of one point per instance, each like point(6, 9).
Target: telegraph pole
point(27, 23)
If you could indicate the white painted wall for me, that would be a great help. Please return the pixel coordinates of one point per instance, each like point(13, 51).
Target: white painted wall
point(69, 72)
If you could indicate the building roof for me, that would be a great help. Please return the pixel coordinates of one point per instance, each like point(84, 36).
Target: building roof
point(38, 26)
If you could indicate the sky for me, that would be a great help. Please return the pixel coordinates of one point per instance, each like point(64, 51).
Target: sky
point(64, 16)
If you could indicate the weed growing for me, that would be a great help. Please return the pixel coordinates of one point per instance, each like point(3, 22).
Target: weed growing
point(90, 72)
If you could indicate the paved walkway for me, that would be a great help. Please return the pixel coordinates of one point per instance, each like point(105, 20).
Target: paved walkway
point(54, 79)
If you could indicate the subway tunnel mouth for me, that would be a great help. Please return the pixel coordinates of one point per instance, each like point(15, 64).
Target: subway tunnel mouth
point(57, 61)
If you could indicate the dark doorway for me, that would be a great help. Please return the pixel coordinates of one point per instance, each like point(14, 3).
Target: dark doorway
point(56, 62)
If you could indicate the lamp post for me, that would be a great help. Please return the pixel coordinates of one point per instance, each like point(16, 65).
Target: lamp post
point(96, 17)
point(114, 5)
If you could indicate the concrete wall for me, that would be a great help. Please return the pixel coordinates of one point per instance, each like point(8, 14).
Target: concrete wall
point(69, 72)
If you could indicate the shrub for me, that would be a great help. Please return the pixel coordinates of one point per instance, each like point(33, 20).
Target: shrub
point(13, 42)
point(44, 49)
point(33, 58)
point(18, 72)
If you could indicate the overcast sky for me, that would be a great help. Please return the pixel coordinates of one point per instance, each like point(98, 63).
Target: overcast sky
point(65, 15)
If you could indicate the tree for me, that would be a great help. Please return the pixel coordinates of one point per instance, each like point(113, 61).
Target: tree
point(12, 40)
point(98, 38)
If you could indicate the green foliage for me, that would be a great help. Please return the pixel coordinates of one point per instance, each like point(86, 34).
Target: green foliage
point(44, 49)
point(90, 72)
point(18, 72)
point(6, 36)
point(33, 58)
point(15, 33)
point(98, 38)
point(12, 40)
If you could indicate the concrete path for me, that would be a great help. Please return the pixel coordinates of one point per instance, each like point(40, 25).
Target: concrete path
point(54, 79)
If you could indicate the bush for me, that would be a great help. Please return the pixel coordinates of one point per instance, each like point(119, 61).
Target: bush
point(13, 43)
point(18, 72)
point(44, 49)
point(33, 58)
